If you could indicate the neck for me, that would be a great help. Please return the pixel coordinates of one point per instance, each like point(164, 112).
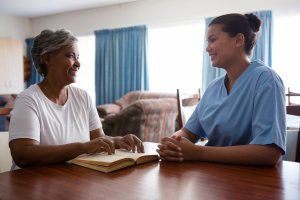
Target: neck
point(234, 71)
point(54, 91)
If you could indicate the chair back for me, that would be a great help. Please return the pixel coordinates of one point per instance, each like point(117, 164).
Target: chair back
point(5, 156)
point(293, 137)
point(184, 112)
point(291, 94)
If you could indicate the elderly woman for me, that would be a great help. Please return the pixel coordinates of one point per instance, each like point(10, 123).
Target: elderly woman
point(52, 121)
point(243, 112)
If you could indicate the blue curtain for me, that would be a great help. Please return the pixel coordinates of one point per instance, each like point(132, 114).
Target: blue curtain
point(209, 73)
point(121, 62)
point(262, 50)
point(34, 77)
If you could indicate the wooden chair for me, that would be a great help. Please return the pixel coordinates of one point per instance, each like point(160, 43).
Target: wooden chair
point(184, 113)
point(291, 94)
point(5, 156)
point(293, 136)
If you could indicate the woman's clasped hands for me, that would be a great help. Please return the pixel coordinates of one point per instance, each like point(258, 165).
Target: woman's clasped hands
point(176, 148)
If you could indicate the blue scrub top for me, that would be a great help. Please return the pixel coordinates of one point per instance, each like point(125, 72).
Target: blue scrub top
point(254, 112)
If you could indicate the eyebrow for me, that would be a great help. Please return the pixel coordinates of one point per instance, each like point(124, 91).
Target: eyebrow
point(74, 53)
point(210, 36)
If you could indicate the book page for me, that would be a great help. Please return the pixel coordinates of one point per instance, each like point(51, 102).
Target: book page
point(104, 159)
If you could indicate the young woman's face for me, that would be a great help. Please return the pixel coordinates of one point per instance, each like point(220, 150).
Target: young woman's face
point(220, 47)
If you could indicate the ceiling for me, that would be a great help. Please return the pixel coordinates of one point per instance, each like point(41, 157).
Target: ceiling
point(38, 8)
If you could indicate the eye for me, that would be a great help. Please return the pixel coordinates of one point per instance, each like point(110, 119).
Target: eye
point(212, 40)
point(71, 56)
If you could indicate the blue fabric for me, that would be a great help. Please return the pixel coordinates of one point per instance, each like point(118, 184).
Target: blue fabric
point(262, 50)
point(252, 113)
point(34, 77)
point(209, 73)
point(121, 62)
point(3, 102)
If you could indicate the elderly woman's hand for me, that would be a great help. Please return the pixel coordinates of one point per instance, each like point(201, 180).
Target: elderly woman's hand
point(129, 142)
point(99, 145)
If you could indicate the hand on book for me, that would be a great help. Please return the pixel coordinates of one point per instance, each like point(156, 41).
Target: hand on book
point(100, 144)
point(130, 142)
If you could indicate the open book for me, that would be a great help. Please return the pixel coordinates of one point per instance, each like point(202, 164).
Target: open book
point(107, 163)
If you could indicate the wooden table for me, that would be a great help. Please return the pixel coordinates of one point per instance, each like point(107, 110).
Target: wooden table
point(154, 180)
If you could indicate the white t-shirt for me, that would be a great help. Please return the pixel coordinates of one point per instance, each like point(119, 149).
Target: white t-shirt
point(34, 116)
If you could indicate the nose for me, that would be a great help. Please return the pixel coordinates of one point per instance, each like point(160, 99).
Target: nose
point(77, 63)
point(208, 49)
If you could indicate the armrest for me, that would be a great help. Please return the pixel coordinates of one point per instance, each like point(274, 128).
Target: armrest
point(144, 106)
point(107, 109)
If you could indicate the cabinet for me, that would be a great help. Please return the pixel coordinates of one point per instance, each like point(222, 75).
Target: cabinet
point(11, 66)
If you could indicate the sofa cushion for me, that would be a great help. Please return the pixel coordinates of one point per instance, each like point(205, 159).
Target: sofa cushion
point(138, 95)
point(3, 101)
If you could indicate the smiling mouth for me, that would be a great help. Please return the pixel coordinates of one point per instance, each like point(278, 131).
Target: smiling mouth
point(73, 71)
point(212, 56)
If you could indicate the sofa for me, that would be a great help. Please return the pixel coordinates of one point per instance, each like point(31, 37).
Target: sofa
point(150, 116)
point(3, 102)
point(4, 120)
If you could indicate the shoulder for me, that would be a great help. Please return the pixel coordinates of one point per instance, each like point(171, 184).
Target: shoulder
point(30, 94)
point(81, 96)
point(78, 91)
point(264, 75)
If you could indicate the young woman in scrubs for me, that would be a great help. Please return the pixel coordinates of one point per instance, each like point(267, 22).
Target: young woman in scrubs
point(242, 113)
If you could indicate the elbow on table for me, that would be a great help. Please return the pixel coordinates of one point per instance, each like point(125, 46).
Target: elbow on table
point(272, 156)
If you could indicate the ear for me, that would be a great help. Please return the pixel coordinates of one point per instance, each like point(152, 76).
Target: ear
point(239, 40)
point(46, 58)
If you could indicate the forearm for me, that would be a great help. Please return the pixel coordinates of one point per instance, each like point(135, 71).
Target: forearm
point(245, 154)
point(48, 154)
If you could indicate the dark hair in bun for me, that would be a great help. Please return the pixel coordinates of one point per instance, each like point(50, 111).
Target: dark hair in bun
point(254, 22)
point(248, 25)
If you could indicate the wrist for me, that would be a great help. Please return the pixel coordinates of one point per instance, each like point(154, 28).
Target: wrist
point(199, 152)
point(83, 147)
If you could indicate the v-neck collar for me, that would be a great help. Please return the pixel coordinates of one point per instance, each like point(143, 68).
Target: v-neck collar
point(237, 82)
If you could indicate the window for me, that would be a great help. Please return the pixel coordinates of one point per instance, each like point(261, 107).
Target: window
point(286, 49)
point(175, 57)
point(86, 75)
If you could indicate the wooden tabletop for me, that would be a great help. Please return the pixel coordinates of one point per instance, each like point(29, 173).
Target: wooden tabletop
point(154, 180)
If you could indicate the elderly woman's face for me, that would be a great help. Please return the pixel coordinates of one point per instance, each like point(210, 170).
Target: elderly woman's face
point(64, 65)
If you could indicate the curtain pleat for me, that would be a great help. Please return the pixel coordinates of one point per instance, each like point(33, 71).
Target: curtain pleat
point(34, 77)
point(121, 62)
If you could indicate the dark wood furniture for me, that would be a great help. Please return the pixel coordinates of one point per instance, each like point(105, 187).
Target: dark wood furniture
point(5, 111)
point(293, 110)
point(154, 180)
point(182, 97)
point(291, 94)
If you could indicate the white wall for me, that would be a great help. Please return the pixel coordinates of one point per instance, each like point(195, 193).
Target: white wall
point(151, 12)
point(13, 27)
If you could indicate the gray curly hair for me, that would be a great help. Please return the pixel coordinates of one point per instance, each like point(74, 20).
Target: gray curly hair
point(49, 41)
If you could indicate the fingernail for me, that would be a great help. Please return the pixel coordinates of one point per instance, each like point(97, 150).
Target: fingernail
point(180, 159)
point(180, 154)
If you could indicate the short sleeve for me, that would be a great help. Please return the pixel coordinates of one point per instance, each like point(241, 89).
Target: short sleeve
point(24, 122)
point(269, 115)
point(94, 120)
point(194, 125)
